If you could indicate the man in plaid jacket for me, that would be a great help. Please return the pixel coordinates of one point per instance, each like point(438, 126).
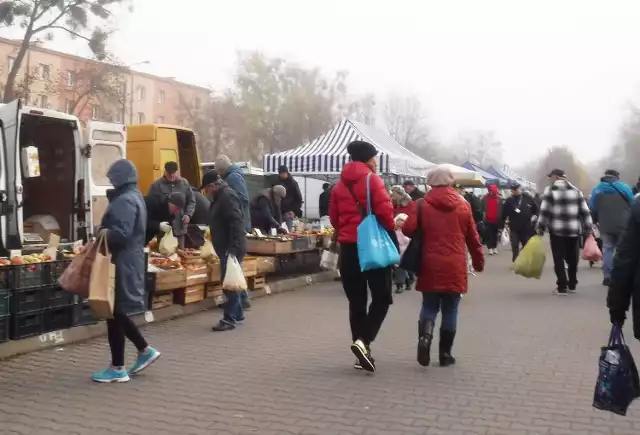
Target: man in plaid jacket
point(565, 214)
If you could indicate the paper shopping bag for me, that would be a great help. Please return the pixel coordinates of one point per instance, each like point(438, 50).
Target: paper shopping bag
point(77, 276)
point(102, 284)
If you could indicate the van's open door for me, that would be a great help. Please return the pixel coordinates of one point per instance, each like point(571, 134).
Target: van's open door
point(107, 144)
point(10, 190)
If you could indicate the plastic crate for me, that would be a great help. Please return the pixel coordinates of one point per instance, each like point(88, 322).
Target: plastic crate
point(56, 268)
point(82, 314)
point(57, 318)
point(5, 303)
point(28, 300)
point(5, 328)
point(6, 273)
point(29, 275)
point(55, 296)
point(26, 325)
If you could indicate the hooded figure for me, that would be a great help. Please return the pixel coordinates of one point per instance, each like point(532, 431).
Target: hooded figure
point(492, 216)
point(125, 221)
point(265, 209)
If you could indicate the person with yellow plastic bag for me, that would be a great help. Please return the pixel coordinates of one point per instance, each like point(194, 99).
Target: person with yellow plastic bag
point(530, 261)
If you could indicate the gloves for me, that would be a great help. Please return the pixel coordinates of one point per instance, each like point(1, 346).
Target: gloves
point(165, 227)
point(617, 317)
point(281, 230)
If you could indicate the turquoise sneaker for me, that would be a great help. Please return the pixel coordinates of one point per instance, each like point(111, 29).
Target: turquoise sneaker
point(111, 375)
point(145, 360)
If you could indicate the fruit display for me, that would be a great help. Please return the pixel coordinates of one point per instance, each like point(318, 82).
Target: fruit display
point(164, 263)
point(25, 259)
point(189, 253)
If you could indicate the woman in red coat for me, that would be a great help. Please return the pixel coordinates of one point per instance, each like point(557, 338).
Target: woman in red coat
point(347, 202)
point(447, 229)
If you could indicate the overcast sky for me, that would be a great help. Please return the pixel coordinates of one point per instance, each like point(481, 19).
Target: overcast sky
point(539, 73)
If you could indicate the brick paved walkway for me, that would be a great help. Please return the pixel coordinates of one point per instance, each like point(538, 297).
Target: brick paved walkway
point(526, 365)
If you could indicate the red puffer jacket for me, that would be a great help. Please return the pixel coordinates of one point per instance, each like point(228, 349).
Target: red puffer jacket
point(448, 228)
point(344, 212)
point(408, 209)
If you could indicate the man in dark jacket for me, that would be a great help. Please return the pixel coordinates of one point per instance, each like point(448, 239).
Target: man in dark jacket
point(232, 174)
point(201, 213)
point(413, 191)
point(160, 211)
point(625, 276)
point(521, 211)
point(323, 201)
point(292, 202)
point(169, 183)
point(228, 238)
point(265, 209)
point(610, 205)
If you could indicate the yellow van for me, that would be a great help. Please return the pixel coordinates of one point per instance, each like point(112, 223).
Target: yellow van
point(150, 146)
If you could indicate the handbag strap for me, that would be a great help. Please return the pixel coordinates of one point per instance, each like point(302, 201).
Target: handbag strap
point(368, 193)
point(353, 195)
point(616, 336)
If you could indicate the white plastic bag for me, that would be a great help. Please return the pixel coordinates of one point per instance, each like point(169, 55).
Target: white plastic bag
point(234, 276)
point(168, 244)
point(329, 260)
point(504, 239)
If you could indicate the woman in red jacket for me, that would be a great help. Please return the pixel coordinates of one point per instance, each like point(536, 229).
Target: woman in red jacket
point(346, 206)
point(447, 229)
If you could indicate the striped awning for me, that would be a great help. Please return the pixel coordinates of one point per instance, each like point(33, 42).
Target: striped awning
point(327, 154)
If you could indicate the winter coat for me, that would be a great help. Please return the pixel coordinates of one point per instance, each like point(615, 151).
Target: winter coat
point(162, 188)
point(625, 276)
point(610, 205)
point(519, 210)
point(227, 224)
point(157, 212)
point(344, 212)
point(125, 221)
point(293, 200)
point(201, 213)
point(564, 211)
point(483, 206)
point(235, 179)
point(416, 194)
point(323, 203)
point(448, 230)
point(476, 207)
point(265, 211)
point(407, 209)
point(403, 241)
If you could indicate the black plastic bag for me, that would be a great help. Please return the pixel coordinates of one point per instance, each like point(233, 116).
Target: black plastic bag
point(618, 383)
point(412, 256)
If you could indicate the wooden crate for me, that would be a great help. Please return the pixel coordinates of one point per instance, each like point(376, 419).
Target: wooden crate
point(171, 279)
point(197, 274)
point(214, 272)
point(250, 266)
point(265, 265)
point(189, 295)
point(161, 300)
point(256, 282)
point(258, 246)
point(214, 291)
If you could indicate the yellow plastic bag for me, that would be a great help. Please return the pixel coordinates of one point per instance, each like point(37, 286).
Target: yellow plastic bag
point(168, 244)
point(207, 250)
point(530, 262)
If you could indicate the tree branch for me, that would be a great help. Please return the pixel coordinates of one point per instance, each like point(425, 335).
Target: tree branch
point(62, 13)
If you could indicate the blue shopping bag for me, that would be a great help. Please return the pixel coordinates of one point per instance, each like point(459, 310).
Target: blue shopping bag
point(618, 383)
point(375, 247)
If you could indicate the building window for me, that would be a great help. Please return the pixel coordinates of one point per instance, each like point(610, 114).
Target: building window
point(44, 101)
point(196, 103)
point(142, 93)
point(71, 76)
point(95, 112)
point(161, 97)
point(11, 61)
point(160, 120)
point(68, 107)
point(45, 71)
point(141, 118)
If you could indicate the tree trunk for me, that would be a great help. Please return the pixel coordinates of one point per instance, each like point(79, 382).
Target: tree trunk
point(9, 87)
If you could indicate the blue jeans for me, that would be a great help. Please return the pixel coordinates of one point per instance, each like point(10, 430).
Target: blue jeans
point(609, 242)
point(232, 310)
point(447, 302)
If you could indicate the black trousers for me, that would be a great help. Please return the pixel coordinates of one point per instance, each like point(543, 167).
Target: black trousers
point(491, 234)
point(519, 238)
point(565, 250)
point(364, 324)
point(118, 328)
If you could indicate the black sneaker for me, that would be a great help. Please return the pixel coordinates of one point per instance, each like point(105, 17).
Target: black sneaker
point(364, 356)
point(399, 289)
point(223, 326)
point(560, 292)
point(606, 282)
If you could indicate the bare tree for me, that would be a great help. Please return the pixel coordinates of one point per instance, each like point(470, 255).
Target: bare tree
point(480, 147)
point(362, 109)
point(406, 121)
point(49, 16)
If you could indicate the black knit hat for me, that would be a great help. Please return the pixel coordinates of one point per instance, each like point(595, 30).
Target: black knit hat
point(361, 151)
point(209, 177)
point(283, 169)
point(178, 199)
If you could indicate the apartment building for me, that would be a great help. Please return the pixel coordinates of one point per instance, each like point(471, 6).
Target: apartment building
point(100, 91)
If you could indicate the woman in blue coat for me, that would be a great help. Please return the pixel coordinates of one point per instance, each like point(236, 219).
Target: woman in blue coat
point(125, 225)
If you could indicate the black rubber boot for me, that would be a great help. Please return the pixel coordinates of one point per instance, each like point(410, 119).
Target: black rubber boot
point(425, 335)
point(446, 343)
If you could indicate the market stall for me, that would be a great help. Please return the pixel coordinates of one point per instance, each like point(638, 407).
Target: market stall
point(465, 177)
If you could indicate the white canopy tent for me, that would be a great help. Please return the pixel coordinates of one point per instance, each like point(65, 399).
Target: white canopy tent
point(464, 176)
point(327, 154)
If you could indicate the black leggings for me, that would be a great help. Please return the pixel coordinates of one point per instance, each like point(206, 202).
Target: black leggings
point(118, 328)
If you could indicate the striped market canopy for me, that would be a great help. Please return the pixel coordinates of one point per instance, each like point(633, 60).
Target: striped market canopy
point(327, 154)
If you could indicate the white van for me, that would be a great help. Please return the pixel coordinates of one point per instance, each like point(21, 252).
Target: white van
point(59, 196)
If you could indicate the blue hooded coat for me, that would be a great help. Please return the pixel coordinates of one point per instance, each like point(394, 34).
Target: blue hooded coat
point(125, 221)
point(235, 179)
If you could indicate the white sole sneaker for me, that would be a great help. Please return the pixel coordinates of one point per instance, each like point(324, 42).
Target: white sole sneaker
point(360, 351)
point(112, 381)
